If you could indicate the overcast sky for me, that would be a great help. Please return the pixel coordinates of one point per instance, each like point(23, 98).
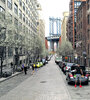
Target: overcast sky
point(53, 8)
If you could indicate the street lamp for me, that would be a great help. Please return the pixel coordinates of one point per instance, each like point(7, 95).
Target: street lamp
point(85, 56)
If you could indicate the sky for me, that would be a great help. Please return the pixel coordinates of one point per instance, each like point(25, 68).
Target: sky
point(53, 8)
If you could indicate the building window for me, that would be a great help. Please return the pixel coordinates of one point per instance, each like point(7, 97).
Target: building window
point(87, 6)
point(23, 29)
point(3, 1)
point(26, 20)
point(20, 2)
point(28, 13)
point(15, 8)
point(9, 4)
point(29, 23)
point(88, 49)
point(23, 17)
point(16, 23)
point(10, 52)
point(88, 32)
point(10, 18)
point(26, 1)
point(20, 26)
point(88, 19)
point(23, 6)
point(2, 10)
point(81, 25)
point(20, 14)
point(26, 10)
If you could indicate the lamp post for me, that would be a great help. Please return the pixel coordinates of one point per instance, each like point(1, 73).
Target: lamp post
point(85, 57)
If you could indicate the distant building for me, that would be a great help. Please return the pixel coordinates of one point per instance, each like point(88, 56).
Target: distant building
point(60, 41)
point(41, 29)
point(41, 25)
point(81, 33)
point(63, 27)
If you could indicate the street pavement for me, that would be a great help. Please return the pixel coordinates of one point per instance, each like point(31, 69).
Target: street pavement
point(77, 93)
point(7, 84)
point(45, 84)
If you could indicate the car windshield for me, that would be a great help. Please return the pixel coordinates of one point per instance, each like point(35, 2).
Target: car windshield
point(69, 64)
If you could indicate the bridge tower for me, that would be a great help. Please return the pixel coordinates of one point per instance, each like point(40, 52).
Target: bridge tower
point(54, 32)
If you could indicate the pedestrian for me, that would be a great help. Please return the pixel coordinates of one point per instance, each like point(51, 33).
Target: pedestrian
point(22, 67)
point(33, 67)
point(25, 69)
point(12, 66)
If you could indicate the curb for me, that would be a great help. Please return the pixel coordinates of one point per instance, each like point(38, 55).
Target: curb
point(4, 79)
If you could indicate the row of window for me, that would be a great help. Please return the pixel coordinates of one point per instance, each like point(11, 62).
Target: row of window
point(9, 4)
point(79, 37)
point(88, 19)
point(79, 16)
point(88, 34)
point(79, 26)
point(88, 49)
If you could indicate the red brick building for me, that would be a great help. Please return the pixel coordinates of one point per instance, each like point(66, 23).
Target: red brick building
point(60, 41)
point(88, 32)
point(46, 43)
point(81, 33)
point(71, 34)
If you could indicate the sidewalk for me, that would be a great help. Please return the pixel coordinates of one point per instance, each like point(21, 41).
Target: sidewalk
point(3, 79)
point(45, 84)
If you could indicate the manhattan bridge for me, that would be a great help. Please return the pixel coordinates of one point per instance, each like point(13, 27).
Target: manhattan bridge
point(54, 33)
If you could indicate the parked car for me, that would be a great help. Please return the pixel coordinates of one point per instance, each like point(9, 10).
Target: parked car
point(63, 66)
point(71, 79)
point(38, 64)
point(44, 61)
point(19, 69)
point(6, 73)
point(58, 59)
point(67, 67)
point(49, 58)
point(60, 64)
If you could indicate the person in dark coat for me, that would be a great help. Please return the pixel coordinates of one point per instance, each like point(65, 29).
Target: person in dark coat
point(33, 67)
point(25, 69)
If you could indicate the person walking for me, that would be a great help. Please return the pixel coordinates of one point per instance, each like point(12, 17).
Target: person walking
point(25, 69)
point(33, 67)
point(12, 66)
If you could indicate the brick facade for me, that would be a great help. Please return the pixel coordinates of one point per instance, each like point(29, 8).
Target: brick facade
point(81, 33)
point(88, 32)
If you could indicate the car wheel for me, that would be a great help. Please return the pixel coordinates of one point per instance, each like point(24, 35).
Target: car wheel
point(68, 81)
point(86, 82)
